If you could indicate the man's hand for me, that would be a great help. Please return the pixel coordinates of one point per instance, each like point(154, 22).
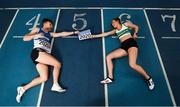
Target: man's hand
point(76, 32)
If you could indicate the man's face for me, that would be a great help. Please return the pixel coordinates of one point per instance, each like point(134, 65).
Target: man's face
point(48, 26)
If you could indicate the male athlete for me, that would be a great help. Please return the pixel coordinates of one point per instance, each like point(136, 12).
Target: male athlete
point(42, 58)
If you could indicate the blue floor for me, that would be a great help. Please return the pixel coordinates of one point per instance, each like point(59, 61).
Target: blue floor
point(6, 17)
point(169, 48)
point(82, 64)
point(83, 60)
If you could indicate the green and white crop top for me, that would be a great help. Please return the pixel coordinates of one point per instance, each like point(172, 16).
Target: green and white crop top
point(123, 32)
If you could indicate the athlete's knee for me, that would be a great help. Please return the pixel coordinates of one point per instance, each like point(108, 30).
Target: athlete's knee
point(133, 65)
point(109, 57)
point(57, 65)
point(44, 78)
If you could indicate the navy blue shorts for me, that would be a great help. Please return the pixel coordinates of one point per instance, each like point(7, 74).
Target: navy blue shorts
point(35, 54)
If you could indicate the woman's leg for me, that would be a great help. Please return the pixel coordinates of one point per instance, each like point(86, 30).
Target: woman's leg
point(43, 76)
point(48, 59)
point(115, 54)
point(133, 52)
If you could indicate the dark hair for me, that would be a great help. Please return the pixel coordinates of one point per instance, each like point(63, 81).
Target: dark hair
point(46, 20)
point(117, 19)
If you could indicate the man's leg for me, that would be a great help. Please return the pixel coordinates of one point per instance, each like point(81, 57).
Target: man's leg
point(43, 76)
point(48, 59)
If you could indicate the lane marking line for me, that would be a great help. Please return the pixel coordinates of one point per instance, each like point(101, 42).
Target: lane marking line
point(160, 59)
point(42, 85)
point(104, 61)
point(6, 34)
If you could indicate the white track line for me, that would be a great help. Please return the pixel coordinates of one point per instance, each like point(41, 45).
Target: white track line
point(104, 61)
point(10, 8)
point(41, 8)
point(131, 8)
point(160, 59)
point(122, 8)
point(80, 8)
point(26, 8)
point(52, 42)
point(72, 8)
point(162, 8)
point(8, 29)
point(17, 37)
point(174, 38)
point(139, 37)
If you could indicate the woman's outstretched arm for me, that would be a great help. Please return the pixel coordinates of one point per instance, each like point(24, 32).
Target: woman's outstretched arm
point(104, 34)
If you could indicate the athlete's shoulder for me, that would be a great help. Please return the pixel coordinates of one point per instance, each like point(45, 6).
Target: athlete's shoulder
point(52, 34)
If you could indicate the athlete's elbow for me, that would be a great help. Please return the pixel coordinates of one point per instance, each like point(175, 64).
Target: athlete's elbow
point(105, 34)
point(137, 27)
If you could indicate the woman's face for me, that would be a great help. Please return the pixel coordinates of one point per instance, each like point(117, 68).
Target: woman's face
point(115, 23)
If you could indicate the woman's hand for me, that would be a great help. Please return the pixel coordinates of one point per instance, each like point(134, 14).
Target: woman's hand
point(133, 26)
point(135, 36)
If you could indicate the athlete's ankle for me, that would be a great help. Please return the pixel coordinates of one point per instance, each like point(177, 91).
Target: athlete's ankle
point(147, 77)
point(111, 78)
point(55, 83)
point(24, 88)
